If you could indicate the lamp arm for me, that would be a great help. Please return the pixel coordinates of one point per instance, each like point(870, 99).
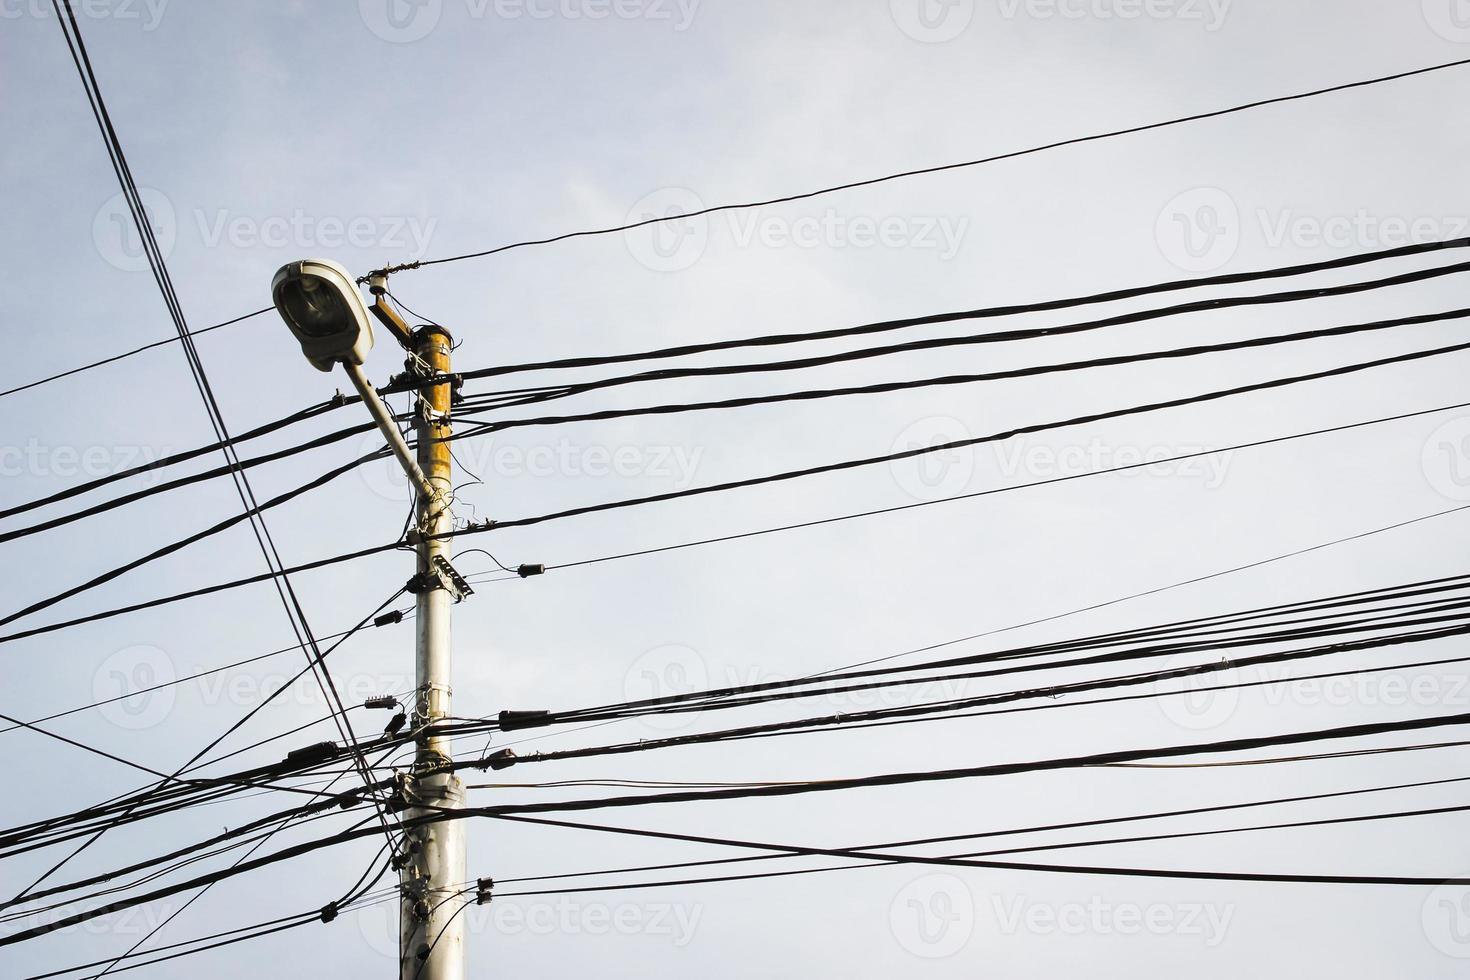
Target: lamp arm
point(384, 418)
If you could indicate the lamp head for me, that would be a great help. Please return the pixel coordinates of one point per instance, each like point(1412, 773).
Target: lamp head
point(320, 303)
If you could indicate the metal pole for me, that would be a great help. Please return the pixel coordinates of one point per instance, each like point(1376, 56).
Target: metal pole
point(384, 418)
point(431, 934)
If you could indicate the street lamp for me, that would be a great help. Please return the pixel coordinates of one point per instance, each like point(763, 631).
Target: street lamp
point(321, 305)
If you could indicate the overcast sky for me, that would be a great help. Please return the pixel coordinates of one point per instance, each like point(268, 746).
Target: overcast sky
point(390, 130)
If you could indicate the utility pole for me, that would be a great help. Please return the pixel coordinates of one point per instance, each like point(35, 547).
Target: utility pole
point(431, 933)
point(320, 303)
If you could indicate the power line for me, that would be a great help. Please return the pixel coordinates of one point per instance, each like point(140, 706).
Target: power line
point(1030, 429)
point(178, 681)
point(252, 513)
point(1015, 154)
point(885, 857)
point(830, 785)
point(20, 896)
point(888, 387)
point(487, 402)
point(176, 458)
point(1050, 693)
point(118, 357)
point(753, 400)
point(1002, 336)
point(382, 549)
point(984, 835)
point(1329, 623)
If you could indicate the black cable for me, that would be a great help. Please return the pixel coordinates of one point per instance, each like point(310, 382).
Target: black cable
point(1181, 402)
point(20, 896)
point(137, 350)
point(295, 614)
point(883, 857)
point(831, 785)
point(205, 890)
point(257, 931)
point(889, 387)
point(491, 402)
point(429, 951)
point(1197, 117)
point(1007, 489)
point(383, 549)
point(1186, 636)
point(1048, 692)
point(178, 483)
point(1012, 832)
point(174, 683)
point(1359, 672)
point(886, 387)
point(1069, 845)
point(182, 457)
point(1144, 316)
point(250, 514)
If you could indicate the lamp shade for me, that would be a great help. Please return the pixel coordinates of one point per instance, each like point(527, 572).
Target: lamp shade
point(321, 305)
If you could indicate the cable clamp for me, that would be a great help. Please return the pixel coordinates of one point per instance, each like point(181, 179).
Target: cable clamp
point(441, 575)
point(503, 759)
point(484, 891)
point(329, 913)
point(513, 720)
